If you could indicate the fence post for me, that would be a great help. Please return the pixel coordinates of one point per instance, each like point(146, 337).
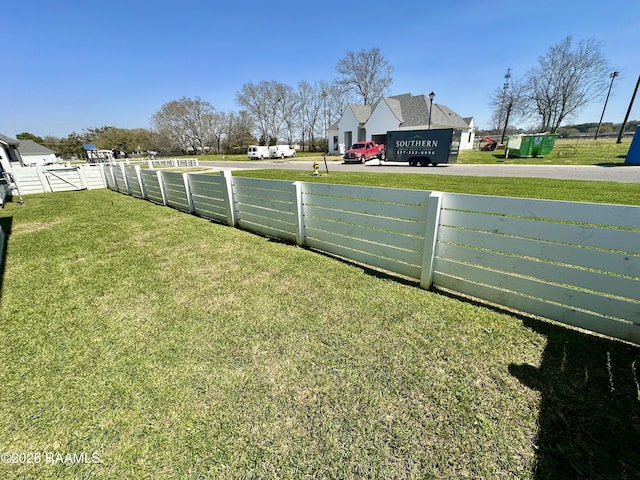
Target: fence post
point(143, 192)
point(161, 185)
point(103, 174)
point(434, 204)
point(42, 176)
point(107, 170)
point(82, 177)
point(299, 212)
point(228, 199)
point(124, 176)
point(114, 181)
point(187, 190)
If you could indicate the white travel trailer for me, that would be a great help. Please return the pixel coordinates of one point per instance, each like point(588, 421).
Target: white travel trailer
point(281, 151)
point(257, 152)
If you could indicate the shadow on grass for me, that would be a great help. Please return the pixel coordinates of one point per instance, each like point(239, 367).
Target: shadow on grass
point(589, 420)
point(5, 231)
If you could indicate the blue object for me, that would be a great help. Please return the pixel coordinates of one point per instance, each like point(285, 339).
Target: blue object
point(633, 155)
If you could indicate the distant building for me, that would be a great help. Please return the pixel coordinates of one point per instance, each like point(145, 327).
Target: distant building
point(400, 112)
point(33, 153)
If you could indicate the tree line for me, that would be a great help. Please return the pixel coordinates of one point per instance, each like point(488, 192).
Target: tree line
point(271, 112)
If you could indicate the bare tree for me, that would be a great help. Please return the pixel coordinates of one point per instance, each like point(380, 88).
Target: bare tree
point(311, 108)
point(508, 103)
point(218, 126)
point(238, 131)
point(288, 109)
point(566, 80)
point(367, 74)
point(188, 122)
point(337, 99)
point(269, 103)
point(254, 99)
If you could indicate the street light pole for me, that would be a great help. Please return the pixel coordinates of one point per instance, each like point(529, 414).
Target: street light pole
point(626, 117)
point(613, 76)
point(431, 97)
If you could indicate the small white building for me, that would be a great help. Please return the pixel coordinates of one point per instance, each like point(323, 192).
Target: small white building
point(399, 112)
point(34, 154)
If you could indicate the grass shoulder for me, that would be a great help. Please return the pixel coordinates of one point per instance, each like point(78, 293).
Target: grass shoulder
point(544, 188)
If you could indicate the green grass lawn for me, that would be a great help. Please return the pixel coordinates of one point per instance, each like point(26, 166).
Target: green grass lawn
point(550, 189)
point(566, 151)
point(161, 345)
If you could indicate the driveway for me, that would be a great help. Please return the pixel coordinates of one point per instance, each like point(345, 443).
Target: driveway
point(616, 173)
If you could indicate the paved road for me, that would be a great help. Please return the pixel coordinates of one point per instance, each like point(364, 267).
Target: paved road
point(618, 173)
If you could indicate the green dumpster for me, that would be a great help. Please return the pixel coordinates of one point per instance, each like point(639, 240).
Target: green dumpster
point(546, 144)
point(519, 146)
point(530, 145)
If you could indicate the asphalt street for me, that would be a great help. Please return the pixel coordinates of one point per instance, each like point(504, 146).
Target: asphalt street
point(608, 173)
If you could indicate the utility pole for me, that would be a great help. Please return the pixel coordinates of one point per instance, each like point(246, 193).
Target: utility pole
point(613, 77)
point(626, 117)
point(505, 87)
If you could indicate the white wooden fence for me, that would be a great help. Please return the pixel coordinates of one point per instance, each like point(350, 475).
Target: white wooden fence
point(577, 263)
point(57, 178)
point(159, 162)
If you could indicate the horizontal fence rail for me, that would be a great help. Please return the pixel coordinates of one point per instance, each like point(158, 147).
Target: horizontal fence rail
point(267, 207)
point(576, 263)
point(383, 228)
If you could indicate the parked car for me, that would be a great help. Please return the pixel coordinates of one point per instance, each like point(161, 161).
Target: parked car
point(363, 151)
point(257, 152)
point(281, 151)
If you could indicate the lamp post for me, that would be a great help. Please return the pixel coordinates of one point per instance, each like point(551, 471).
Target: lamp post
point(431, 97)
point(613, 76)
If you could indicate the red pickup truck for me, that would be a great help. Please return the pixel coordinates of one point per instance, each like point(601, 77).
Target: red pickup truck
point(363, 151)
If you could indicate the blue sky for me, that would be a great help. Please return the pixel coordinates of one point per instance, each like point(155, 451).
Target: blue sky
point(70, 65)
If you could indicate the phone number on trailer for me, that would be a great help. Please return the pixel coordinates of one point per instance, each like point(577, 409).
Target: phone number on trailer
point(50, 458)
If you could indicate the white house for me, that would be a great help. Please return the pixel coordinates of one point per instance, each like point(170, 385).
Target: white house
point(399, 112)
point(33, 153)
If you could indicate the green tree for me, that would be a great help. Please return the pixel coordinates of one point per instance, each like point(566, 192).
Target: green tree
point(30, 136)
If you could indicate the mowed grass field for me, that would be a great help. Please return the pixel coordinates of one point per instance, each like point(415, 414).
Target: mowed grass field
point(140, 342)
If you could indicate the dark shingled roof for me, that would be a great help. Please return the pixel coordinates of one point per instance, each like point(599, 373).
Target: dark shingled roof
point(29, 147)
point(361, 112)
point(412, 111)
point(8, 140)
point(415, 112)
